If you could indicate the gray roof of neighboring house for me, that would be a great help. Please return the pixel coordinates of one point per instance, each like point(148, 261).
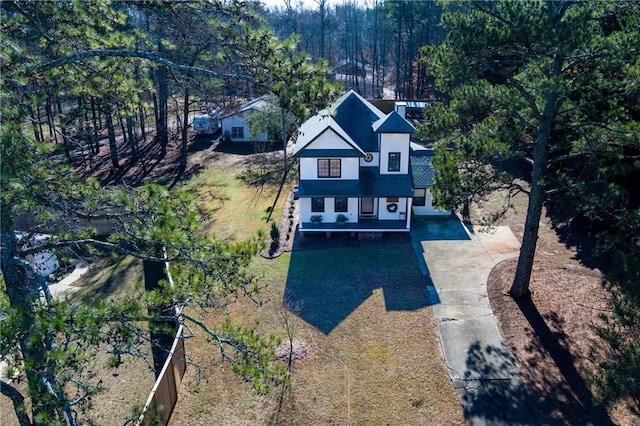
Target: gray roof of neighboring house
point(422, 170)
point(393, 123)
point(370, 184)
point(254, 104)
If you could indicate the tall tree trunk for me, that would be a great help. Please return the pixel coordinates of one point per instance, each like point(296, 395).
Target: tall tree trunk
point(323, 16)
point(133, 141)
point(49, 111)
point(520, 287)
point(23, 295)
point(34, 123)
point(163, 96)
point(142, 123)
point(184, 133)
point(399, 50)
point(66, 142)
point(123, 131)
point(113, 146)
point(94, 118)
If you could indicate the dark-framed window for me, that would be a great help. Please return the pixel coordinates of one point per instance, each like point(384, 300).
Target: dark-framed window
point(237, 132)
point(394, 162)
point(329, 167)
point(317, 204)
point(366, 205)
point(419, 197)
point(341, 204)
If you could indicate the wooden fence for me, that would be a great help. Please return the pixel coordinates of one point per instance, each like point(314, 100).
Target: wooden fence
point(164, 395)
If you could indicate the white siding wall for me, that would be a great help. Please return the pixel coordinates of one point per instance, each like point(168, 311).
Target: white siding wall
point(385, 214)
point(238, 120)
point(349, 169)
point(428, 209)
point(373, 163)
point(329, 214)
point(329, 140)
point(392, 142)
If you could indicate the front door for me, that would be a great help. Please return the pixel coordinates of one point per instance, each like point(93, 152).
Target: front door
point(366, 206)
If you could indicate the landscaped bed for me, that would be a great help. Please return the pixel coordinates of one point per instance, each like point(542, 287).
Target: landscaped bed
point(553, 337)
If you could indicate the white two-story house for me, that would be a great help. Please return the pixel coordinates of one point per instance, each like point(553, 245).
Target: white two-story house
point(355, 171)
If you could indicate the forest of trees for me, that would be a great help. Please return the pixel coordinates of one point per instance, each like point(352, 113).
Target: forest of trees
point(80, 77)
point(385, 37)
point(552, 86)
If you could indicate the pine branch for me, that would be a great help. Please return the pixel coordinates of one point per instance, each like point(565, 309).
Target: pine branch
point(124, 53)
point(99, 244)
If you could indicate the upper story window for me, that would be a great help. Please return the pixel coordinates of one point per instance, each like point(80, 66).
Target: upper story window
point(394, 162)
point(329, 167)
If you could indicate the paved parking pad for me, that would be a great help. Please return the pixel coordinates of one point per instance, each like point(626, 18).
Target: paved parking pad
point(458, 262)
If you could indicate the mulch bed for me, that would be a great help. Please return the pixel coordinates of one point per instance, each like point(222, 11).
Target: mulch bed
point(553, 340)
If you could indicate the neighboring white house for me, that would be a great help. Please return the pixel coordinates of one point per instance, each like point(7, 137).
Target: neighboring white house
point(356, 164)
point(44, 262)
point(234, 123)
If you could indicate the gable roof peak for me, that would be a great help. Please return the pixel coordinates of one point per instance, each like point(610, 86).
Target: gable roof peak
point(393, 123)
point(352, 94)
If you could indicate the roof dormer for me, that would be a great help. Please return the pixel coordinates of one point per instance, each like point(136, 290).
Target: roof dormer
point(393, 123)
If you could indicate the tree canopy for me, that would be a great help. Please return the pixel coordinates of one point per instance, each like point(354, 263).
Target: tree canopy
point(547, 91)
point(107, 55)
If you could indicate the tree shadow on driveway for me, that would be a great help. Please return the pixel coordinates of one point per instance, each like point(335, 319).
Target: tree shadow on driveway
point(490, 391)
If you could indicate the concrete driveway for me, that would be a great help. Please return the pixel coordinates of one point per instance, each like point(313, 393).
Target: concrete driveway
point(458, 261)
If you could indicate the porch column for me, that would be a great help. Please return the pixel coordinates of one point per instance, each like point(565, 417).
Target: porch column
point(409, 204)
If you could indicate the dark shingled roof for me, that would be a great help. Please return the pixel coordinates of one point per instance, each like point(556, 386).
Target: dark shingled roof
point(422, 170)
point(393, 123)
point(356, 119)
point(371, 184)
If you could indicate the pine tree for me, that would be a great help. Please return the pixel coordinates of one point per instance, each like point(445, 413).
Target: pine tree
point(550, 84)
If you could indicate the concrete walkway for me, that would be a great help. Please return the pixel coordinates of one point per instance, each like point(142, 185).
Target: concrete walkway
point(458, 263)
point(58, 289)
point(64, 286)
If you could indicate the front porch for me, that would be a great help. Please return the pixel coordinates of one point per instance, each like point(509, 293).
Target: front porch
point(364, 225)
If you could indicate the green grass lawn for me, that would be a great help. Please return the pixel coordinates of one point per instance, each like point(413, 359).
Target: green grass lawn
point(233, 210)
point(115, 277)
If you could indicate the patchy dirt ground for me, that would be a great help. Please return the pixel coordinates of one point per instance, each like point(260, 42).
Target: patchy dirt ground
point(552, 337)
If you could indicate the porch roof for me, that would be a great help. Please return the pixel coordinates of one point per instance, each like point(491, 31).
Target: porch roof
point(328, 153)
point(364, 225)
point(370, 184)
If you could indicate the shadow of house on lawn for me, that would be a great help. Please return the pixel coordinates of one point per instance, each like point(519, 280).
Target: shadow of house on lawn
point(325, 286)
